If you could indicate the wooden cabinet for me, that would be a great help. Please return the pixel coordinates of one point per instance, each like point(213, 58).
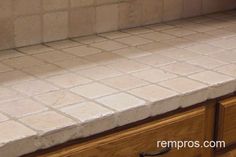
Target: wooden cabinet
point(227, 121)
point(189, 125)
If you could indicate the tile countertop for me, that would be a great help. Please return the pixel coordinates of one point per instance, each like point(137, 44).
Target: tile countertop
point(59, 91)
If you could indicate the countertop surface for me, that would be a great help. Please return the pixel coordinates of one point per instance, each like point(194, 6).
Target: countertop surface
point(59, 91)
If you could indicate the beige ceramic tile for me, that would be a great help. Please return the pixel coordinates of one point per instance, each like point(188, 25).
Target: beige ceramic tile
point(114, 35)
point(54, 56)
point(155, 47)
point(130, 108)
point(182, 68)
point(153, 93)
point(179, 32)
point(103, 58)
point(155, 60)
point(55, 26)
point(63, 44)
point(108, 45)
point(24, 136)
point(193, 92)
point(23, 62)
point(154, 75)
point(26, 7)
point(7, 54)
point(180, 54)
point(82, 50)
point(47, 121)
point(35, 49)
point(34, 87)
point(131, 52)
point(51, 5)
point(134, 40)
point(206, 62)
point(14, 77)
point(179, 42)
point(157, 36)
point(93, 117)
point(137, 30)
point(21, 107)
point(226, 56)
point(160, 27)
point(44, 71)
point(28, 30)
point(220, 84)
point(4, 68)
point(128, 66)
point(7, 94)
point(107, 22)
point(89, 39)
point(204, 49)
point(68, 80)
point(124, 82)
point(59, 98)
point(227, 69)
point(93, 90)
point(3, 117)
point(99, 72)
point(82, 22)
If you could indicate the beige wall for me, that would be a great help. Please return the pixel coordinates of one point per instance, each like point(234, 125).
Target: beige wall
point(28, 22)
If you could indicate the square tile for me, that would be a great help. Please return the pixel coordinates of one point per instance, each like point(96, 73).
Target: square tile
point(180, 54)
point(28, 30)
point(3, 118)
point(133, 40)
point(184, 69)
point(82, 50)
point(34, 87)
point(103, 58)
point(93, 90)
point(179, 32)
point(114, 35)
point(99, 72)
point(46, 122)
point(124, 82)
point(59, 98)
point(193, 92)
point(227, 69)
point(35, 49)
point(14, 77)
point(44, 71)
point(21, 107)
point(127, 66)
point(82, 21)
point(7, 54)
point(160, 27)
point(131, 52)
point(220, 84)
point(155, 47)
point(129, 108)
point(7, 94)
point(55, 26)
point(153, 93)
point(23, 62)
point(206, 62)
point(93, 118)
point(157, 36)
point(52, 5)
point(137, 30)
point(204, 49)
point(154, 75)
point(89, 39)
point(54, 56)
point(107, 22)
point(226, 56)
point(155, 60)
point(62, 44)
point(4, 68)
point(170, 12)
point(68, 80)
point(179, 42)
point(108, 45)
point(26, 7)
point(24, 136)
point(6, 32)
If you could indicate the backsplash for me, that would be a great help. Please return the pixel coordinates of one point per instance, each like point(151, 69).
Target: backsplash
point(29, 22)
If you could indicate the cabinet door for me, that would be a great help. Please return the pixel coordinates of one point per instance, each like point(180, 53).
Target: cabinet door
point(227, 121)
point(185, 126)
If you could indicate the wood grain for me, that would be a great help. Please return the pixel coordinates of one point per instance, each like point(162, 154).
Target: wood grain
point(129, 143)
point(227, 121)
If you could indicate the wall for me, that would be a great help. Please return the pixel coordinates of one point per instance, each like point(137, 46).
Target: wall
point(28, 22)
